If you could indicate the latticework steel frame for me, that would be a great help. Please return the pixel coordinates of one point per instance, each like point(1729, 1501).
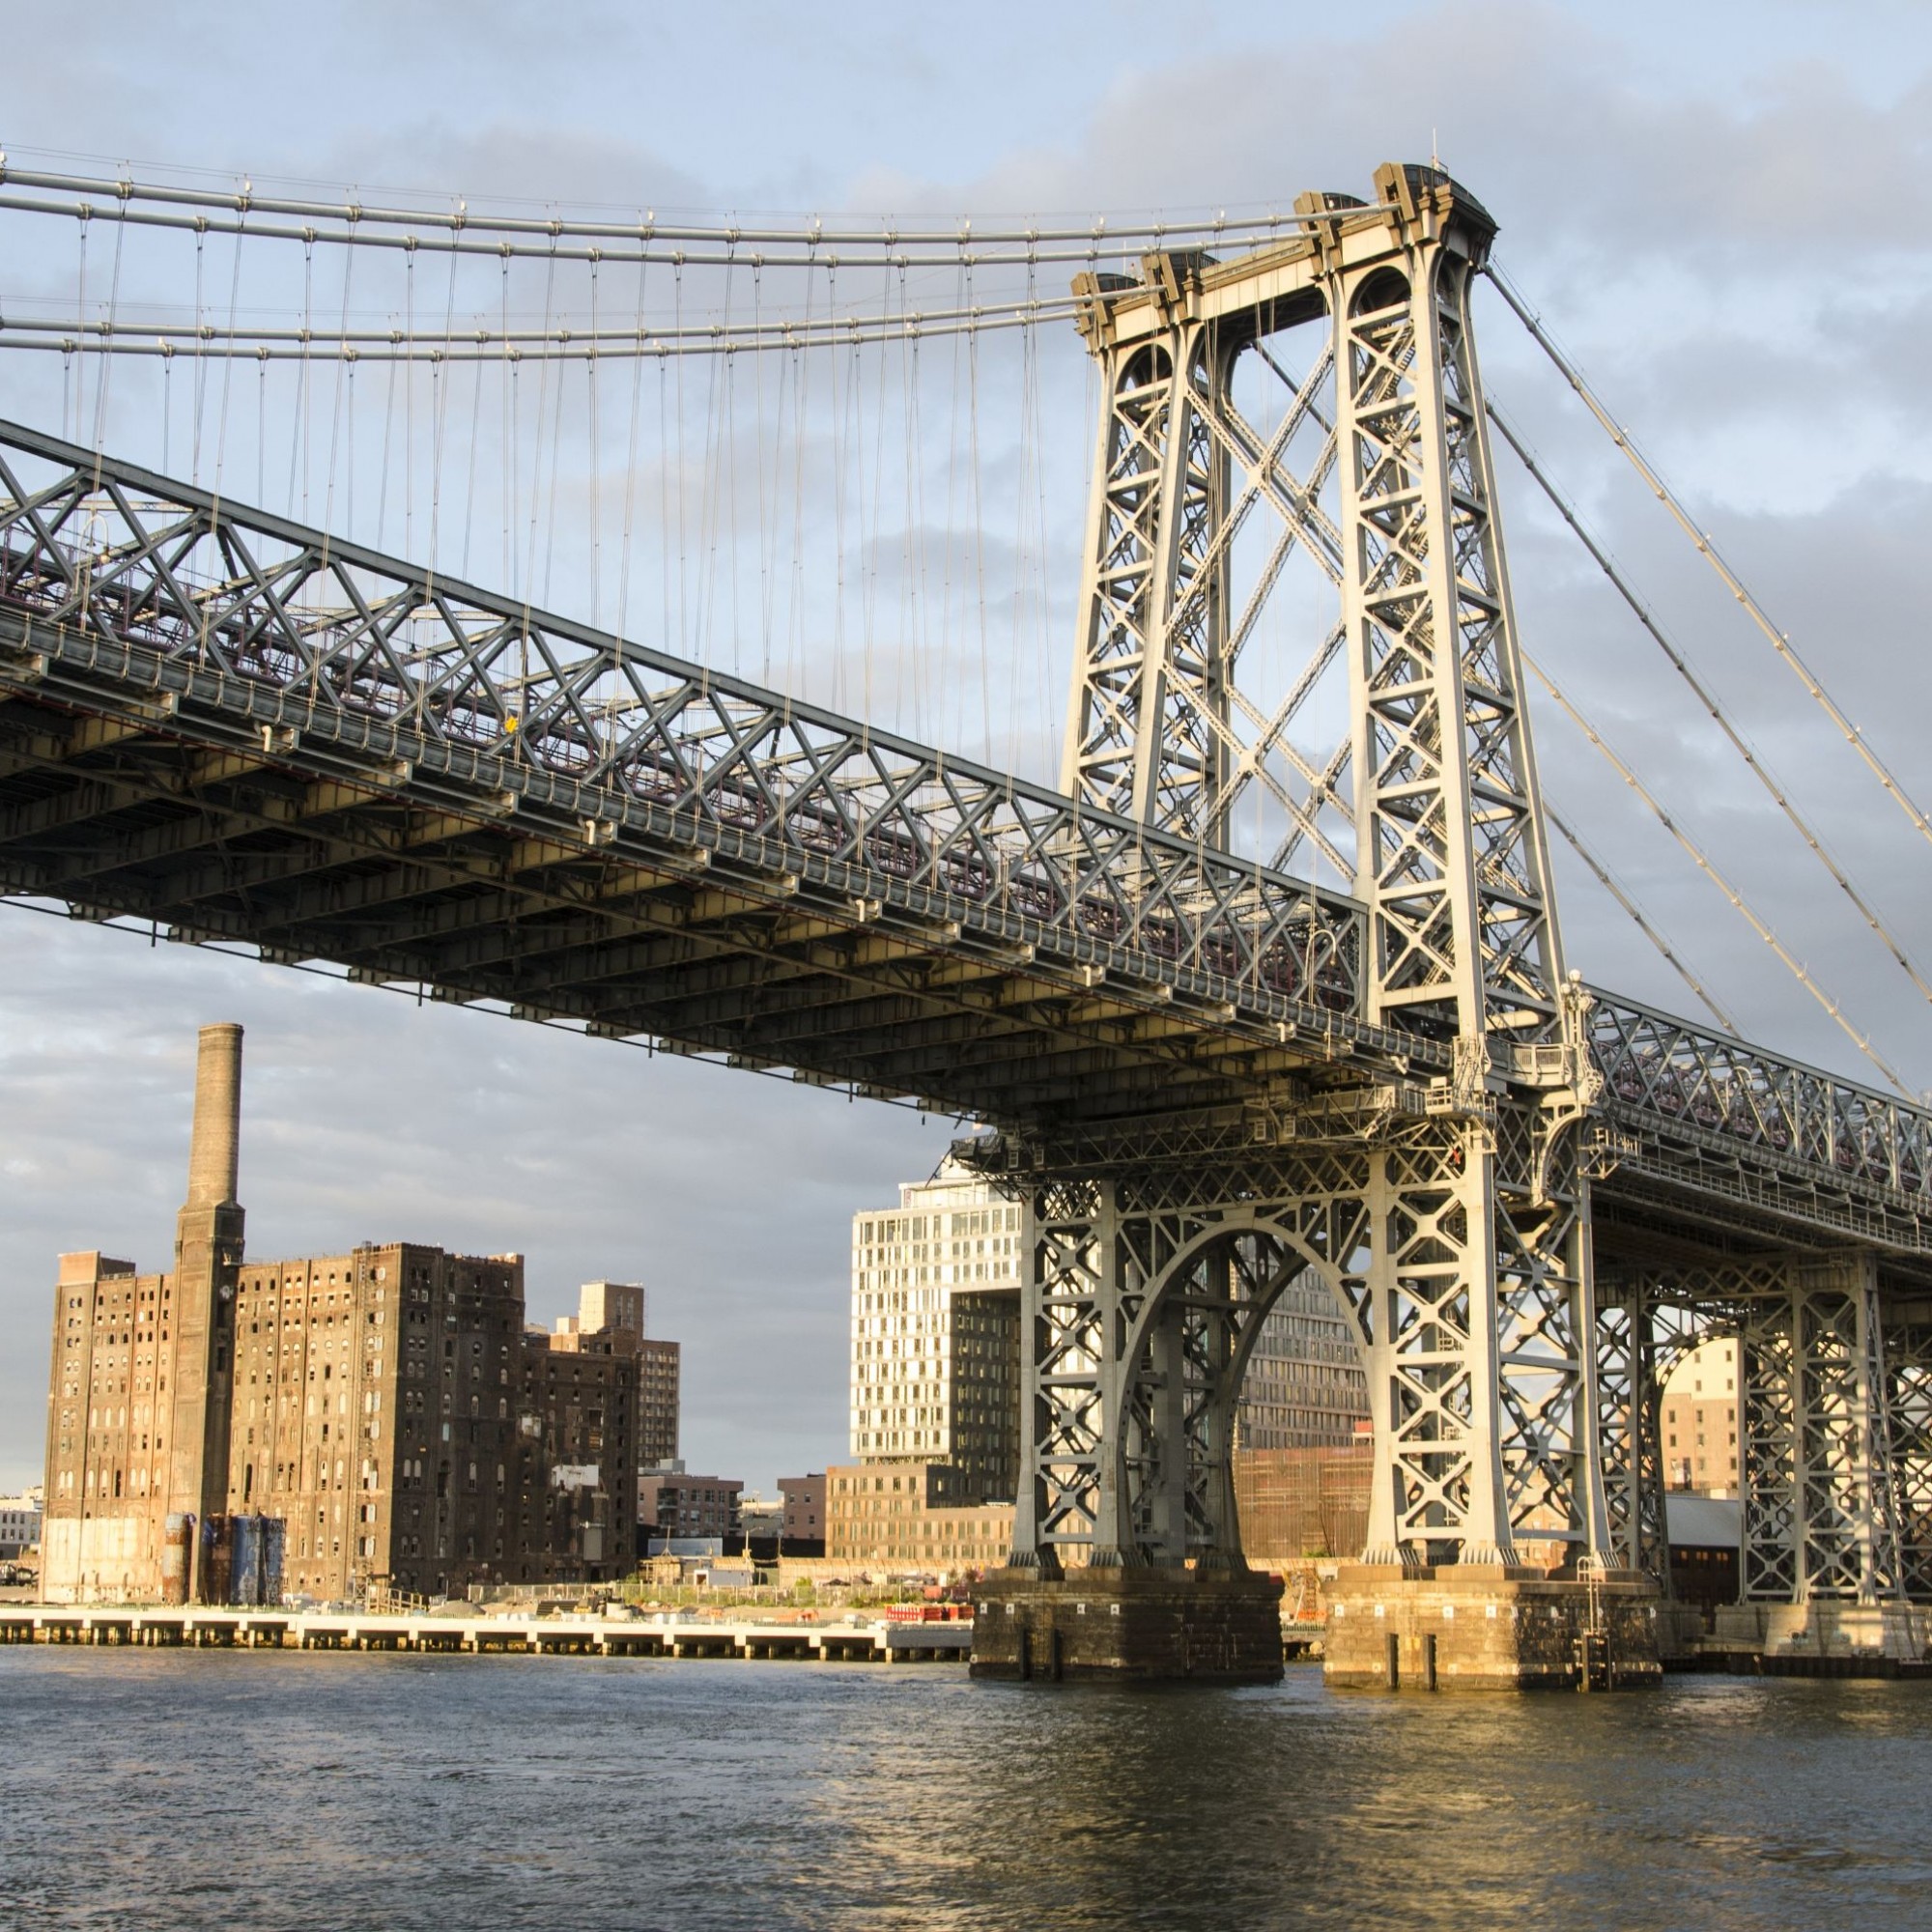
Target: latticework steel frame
point(1474, 1301)
point(1208, 1075)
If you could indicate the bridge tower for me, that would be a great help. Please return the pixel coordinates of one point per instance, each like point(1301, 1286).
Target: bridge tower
point(1451, 1221)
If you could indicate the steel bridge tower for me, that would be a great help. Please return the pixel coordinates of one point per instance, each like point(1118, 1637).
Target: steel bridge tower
point(1454, 1234)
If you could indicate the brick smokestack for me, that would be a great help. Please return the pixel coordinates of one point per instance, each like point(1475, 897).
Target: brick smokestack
point(214, 1152)
point(208, 1256)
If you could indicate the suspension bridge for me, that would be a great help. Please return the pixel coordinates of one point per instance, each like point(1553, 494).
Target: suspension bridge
point(1203, 1070)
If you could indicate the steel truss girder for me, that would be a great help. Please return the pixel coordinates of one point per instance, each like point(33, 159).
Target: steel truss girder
point(336, 765)
point(110, 575)
point(1669, 1079)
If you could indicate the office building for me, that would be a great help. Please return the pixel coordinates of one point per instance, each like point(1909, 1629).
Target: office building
point(935, 1331)
point(1699, 1420)
point(1305, 1387)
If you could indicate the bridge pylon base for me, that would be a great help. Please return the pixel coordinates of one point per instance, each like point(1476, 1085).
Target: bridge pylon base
point(1476, 1627)
point(1896, 1632)
point(1142, 1625)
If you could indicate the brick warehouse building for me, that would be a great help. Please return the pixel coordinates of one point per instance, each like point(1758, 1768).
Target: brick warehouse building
point(387, 1405)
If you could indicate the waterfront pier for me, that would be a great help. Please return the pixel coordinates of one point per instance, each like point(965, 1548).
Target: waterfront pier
point(667, 1635)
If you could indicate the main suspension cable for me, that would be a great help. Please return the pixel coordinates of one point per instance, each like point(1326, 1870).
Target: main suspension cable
point(1708, 699)
point(1704, 865)
point(69, 336)
point(716, 248)
point(1778, 640)
point(122, 191)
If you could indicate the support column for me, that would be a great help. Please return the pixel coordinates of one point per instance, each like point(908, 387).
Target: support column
point(1907, 1374)
point(1628, 1405)
point(1821, 1516)
point(1126, 1406)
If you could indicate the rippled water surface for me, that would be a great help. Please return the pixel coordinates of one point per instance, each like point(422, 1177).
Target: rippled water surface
point(183, 1789)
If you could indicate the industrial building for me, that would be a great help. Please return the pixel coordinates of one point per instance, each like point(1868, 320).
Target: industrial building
point(577, 1439)
point(384, 1409)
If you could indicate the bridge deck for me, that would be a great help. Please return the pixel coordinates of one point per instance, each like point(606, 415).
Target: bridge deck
point(240, 730)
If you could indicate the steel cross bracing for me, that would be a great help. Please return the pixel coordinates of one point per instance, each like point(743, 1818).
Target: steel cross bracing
point(1834, 1460)
point(1452, 1216)
point(1205, 1075)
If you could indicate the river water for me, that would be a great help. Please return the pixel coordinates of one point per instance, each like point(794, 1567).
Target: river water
point(178, 1789)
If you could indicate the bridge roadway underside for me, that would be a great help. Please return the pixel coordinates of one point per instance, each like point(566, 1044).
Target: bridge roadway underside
point(134, 811)
point(121, 808)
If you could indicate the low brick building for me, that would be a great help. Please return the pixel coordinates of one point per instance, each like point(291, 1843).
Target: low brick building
point(801, 1532)
point(916, 1517)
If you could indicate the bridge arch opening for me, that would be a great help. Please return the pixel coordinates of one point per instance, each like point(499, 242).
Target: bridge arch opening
point(1185, 1359)
point(1385, 289)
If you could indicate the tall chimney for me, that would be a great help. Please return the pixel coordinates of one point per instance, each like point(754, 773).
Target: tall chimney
point(215, 1150)
point(208, 1258)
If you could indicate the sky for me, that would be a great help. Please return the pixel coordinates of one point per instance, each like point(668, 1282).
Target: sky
point(1724, 212)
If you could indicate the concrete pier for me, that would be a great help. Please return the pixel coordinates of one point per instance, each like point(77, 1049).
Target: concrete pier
point(1216, 1626)
point(1472, 1627)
